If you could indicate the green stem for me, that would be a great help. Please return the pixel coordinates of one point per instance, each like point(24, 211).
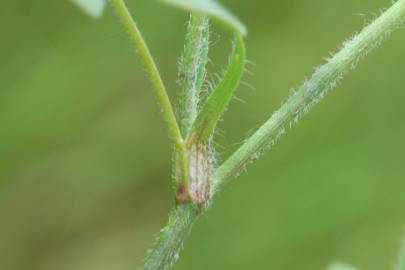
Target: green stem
point(312, 91)
point(192, 69)
point(192, 72)
point(167, 248)
point(170, 241)
point(151, 68)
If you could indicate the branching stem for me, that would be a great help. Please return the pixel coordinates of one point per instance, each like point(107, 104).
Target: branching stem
point(166, 250)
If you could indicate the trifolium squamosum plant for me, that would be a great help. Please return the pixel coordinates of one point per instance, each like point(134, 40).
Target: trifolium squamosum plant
point(197, 177)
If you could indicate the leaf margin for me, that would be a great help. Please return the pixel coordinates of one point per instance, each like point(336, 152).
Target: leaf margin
point(93, 8)
point(213, 9)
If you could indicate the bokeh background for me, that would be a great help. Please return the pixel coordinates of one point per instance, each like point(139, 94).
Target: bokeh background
point(85, 160)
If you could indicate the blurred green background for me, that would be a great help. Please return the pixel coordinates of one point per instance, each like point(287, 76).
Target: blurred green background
point(85, 162)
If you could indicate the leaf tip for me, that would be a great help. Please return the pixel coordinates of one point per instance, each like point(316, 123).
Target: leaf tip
point(93, 8)
point(211, 8)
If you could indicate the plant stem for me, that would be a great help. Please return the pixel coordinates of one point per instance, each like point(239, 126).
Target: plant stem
point(204, 125)
point(151, 68)
point(192, 69)
point(192, 74)
point(312, 91)
point(170, 241)
point(182, 217)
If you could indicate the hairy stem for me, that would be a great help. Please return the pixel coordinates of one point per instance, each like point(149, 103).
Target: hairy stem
point(312, 91)
point(166, 250)
point(170, 240)
point(192, 69)
point(192, 74)
point(152, 70)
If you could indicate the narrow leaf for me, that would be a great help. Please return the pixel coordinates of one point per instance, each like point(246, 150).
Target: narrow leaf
point(217, 102)
point(93, 8)
point(211, 8)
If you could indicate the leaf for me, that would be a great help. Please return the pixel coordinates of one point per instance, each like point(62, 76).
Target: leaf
point(217, 102)
point(93, 8)
point(204, 125)
point(211, 8)
point(340, 266)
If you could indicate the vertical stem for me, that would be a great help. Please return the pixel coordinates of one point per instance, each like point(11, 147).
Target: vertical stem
point(159, 88)
point(192, 69)
point(170, 240)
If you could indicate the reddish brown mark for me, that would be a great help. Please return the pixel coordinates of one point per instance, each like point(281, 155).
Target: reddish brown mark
point(181, 195)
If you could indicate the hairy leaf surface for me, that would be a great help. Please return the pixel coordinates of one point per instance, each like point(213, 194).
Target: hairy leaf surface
point(217, 102)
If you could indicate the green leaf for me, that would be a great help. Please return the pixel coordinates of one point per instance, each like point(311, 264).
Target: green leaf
point(340, 266)
point(211, 8)
point(93, 8)
point(204, 125)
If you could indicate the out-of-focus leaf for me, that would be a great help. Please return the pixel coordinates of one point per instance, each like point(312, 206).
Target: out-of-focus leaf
point(212, 8)
point(93, 8)
point(340, 266)
point(401, 262)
